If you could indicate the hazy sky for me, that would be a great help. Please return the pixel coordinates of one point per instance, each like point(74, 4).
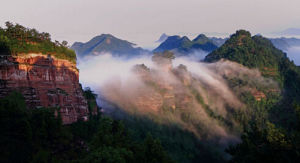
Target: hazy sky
point(143, 21)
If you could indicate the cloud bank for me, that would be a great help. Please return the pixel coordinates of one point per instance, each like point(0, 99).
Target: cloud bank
point(193, 95)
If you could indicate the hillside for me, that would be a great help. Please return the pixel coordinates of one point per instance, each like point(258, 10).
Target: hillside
point(106, 43)
point(46, 116)
point(259, 52)
point(276, 129)
point(218, 41)
point(214, 102)
point(185, 45)
point(253, 52)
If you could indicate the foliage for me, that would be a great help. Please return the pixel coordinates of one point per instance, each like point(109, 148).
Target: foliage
point(37, 135)
point(90, 96)
point(182, 145)
point(271, 126)
point(30, 134)
point(16, 39)
point(253, 52)
point(267, 144)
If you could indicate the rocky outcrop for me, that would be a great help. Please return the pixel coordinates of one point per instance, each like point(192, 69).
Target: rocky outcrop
point(258, 95)
point(44, 81)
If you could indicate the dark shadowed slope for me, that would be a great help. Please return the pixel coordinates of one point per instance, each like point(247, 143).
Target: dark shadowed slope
point(185, 45)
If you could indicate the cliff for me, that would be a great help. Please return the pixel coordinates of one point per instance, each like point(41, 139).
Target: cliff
point(44, 81)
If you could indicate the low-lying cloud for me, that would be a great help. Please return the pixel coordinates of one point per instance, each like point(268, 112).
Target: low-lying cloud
point(294, 54)
point(194, 95)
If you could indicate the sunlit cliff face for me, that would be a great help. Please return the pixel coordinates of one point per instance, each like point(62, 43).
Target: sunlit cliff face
point(196, 96)
point(44, 81)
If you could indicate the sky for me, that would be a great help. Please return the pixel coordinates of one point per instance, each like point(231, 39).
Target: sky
point(143, 21)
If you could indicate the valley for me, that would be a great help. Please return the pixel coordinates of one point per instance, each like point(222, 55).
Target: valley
point(110, 101)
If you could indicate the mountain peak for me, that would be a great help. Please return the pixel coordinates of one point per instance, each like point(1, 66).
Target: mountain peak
point(106, 43)
point(242, 33)
point(253, 52)
point(185, 38)
point(184, 45)
point(105, 35)
point(201, 38)
point(175, 37)
point(172, 42)
point(162, 38)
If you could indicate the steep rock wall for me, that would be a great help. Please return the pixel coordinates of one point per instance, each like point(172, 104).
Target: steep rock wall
point(45, 82)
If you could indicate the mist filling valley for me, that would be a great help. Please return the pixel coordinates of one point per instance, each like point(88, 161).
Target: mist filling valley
point(294, 54)
point(201, 98)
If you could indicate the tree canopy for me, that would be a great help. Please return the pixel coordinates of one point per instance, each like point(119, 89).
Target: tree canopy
point(16, 39)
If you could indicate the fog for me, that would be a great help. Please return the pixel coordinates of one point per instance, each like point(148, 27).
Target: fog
point(294, 54)
point(184, 91)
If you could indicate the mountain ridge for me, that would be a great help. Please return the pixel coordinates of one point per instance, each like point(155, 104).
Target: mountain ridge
point(162, 38)
point(106, 43)
point(185, 45)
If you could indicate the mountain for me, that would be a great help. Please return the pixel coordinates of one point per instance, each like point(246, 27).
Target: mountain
point(284, 43)
point(204, 43)
point(278, 115)
point(185, 45)
point(44, 72)
point(201, 39)
point(218, 41)
point(46, 116)
point(250, 51)
point(257, 52)
point(174, 42)
point(162, 38)
point(214, 101)
point(106, 43)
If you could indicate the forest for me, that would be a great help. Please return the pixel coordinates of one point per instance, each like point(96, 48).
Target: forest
point(37, 135)
point(269, 127)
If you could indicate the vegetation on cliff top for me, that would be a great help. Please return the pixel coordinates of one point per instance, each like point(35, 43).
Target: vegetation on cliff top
point(16, 39)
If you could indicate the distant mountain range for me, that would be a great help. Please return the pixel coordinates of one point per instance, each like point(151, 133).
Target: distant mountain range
point(218, 41)
point(285, 43)
point(106, 43)
point(184, 45)
point(162, 38)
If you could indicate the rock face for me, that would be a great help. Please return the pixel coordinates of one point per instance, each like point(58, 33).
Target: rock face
point(44, 81)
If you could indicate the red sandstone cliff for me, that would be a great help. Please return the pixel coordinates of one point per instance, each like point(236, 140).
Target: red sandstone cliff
point(45, 82)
